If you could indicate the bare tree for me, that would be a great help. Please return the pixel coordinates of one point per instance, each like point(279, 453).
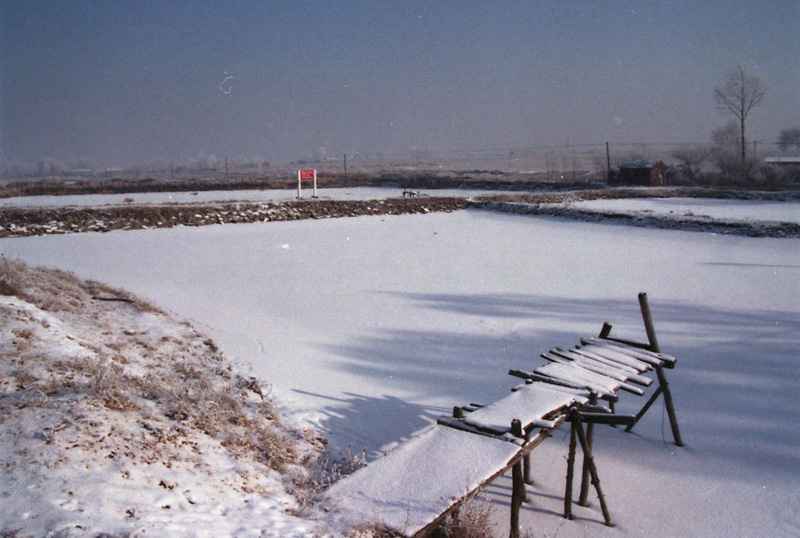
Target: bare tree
point(692, 157)
point(789, 138)
point(741, 92)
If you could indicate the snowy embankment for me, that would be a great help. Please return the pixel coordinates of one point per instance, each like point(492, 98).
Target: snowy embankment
point(768, 221)
point(371, 327)
point(116, 419)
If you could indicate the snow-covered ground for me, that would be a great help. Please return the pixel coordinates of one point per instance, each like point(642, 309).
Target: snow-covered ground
point(99, 200)
point(752, 210)
point(371, 327)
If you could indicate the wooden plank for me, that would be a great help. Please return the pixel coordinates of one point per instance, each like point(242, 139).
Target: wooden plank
point(422, 479)
point(533, 376)
point(594, 381)
point(615, 364)
point(652, 358)
point(558, 356)
point(573, 374)
point(619, 356)
point(631, 376)
point(530, 404)
point(588, 361)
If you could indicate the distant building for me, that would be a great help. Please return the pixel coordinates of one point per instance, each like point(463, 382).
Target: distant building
point(645, 173)
point(783, 161)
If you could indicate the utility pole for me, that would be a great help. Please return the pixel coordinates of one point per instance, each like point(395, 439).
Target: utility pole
point(608, 163)
point(226, 168)
point(755, 145)
point(345, 165)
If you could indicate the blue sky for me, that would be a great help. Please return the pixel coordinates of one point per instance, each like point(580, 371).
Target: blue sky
point(142, 82)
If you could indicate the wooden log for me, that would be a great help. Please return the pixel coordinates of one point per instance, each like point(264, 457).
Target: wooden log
point(583, 497)
point(526, 464)
point(608, 418)
point(605, 330)
point(517, 484)
point(662, 378)
point(648, 323)
point(570, 472)
point(587, 450)
point(644, 408)
point(673, 419)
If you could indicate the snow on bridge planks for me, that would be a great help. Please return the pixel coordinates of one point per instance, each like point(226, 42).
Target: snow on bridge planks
point(412, 487)
point(409, 488)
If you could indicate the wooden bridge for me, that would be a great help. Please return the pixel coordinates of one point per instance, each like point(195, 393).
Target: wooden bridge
point(415, 487)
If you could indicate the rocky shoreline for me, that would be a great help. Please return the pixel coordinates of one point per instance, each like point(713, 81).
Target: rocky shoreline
point(20, 222)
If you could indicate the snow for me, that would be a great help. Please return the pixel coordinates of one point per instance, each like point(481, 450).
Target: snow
point(71, 467)
point(529, 404)
point(412, 485)
point(369, 328)
point(751, 210)
point(578, 376)
point(204, 197)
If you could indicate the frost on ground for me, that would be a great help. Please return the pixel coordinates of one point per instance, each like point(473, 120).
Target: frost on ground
point(115, 418)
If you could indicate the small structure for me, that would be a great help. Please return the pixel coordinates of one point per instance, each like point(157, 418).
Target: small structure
point(644, 173)
point(783, 161)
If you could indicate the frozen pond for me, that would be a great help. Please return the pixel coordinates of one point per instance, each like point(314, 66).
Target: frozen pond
point(752, 210)
point(98, 200)
point(368, 328)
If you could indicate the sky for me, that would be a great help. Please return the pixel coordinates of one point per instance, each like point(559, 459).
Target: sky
point(129, 83)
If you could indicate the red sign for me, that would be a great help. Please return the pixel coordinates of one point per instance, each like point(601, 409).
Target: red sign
point(306, 175)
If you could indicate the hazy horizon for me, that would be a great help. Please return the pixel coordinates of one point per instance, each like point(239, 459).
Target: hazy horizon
point(135, 83)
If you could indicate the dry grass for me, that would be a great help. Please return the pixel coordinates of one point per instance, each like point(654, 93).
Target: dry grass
point(177, 383)
point(471, 520)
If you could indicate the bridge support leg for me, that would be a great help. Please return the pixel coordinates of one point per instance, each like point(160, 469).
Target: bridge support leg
point(570, 472)
point(583, 498)
point(517, 484)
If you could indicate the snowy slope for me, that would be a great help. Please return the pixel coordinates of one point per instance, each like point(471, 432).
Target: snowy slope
point(109, 424)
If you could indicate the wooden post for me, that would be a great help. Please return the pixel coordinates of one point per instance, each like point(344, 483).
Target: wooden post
point(587, 452)
point(605, 331)
point(583, 498)
point(570, 469)
point(517, 485)
point(648, 323)
point(526, 465)
point(662, 378)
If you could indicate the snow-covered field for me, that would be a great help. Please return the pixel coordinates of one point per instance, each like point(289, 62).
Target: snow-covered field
point(99, 200)
point(717, 209)
point(371, 327)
